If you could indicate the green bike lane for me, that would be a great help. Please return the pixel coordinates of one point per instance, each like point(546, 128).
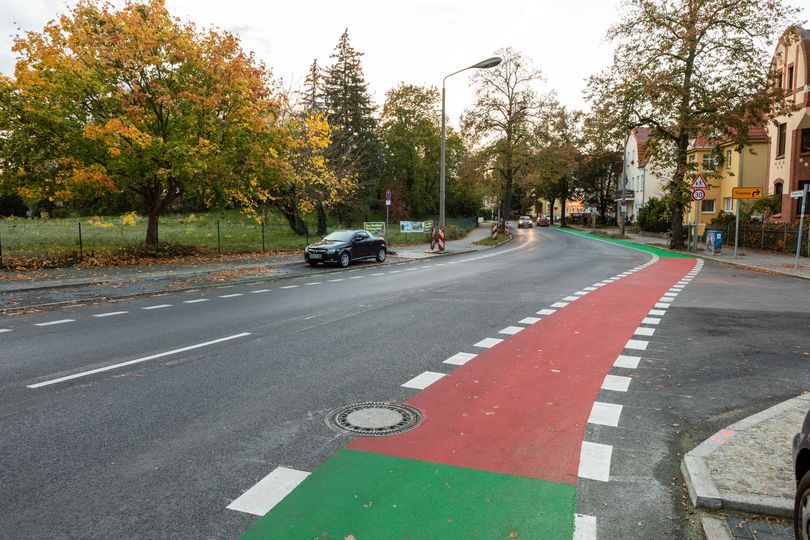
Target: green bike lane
point(498, 452)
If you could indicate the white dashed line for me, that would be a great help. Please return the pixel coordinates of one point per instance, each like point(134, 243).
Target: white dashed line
point(661, 305)
point(625, 361)
point(420, 382)
point(268, 492)
point(571, 298)
point(259, 291)
point(637, 344)
point(358, 277)
point(377, 274)
point(529, 320)
point(159, 306)
point(616, 383)
point(589, 288)
point(671, 294)
point(605, 414)
point(657, 312)
point(580, 293)
point(584, 527)
point(594, 461)
point(312, 283)
point(511, 330)
point(643, 331)
point(197, 301)
point(4, 330)
point(546, 311)
point(486, 343)
point(336, 280)
point(289, 287)
point(234, 295)
point(559, 304)
point(667, 299)
point(459, 359)
point(650, 320)
point(110, 314)
point(395, 271)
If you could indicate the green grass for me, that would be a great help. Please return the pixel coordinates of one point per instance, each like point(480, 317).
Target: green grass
point(488, 241)
point(56, 241)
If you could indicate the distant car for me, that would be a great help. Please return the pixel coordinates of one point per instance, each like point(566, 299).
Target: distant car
point(343, 247)
point(801, 467)
point(543, 221)
point(524, 221)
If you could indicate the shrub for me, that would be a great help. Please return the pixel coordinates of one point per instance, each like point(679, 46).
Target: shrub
point(654, 216)
point(129, 219)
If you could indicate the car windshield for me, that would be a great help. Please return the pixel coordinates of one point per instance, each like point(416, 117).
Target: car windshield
point(339, 236)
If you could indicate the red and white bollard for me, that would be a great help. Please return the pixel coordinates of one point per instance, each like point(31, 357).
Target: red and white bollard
point(441, 239)
point(494, 231)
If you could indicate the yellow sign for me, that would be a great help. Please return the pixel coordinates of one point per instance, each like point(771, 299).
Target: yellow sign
point(746, 193)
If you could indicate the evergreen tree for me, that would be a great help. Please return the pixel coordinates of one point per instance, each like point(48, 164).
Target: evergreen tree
point(312, 96)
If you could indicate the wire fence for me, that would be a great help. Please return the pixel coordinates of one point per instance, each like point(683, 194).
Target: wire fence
point(38, 242)
point(777, 237)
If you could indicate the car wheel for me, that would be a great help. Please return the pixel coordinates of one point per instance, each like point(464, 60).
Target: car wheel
point(344, 259)
point(801, 508)
point(313, 263)
point(381, 255)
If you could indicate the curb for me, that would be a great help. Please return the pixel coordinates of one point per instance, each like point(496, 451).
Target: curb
point(752, 267)
point(704, 492)
point(715, 528)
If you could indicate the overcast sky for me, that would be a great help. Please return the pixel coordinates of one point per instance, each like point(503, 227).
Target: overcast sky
point(415, 41)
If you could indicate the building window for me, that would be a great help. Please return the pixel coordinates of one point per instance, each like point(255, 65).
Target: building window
point(707, 206)
point(708, 162)
point(779, 82)
point(805, 144)
point(728, 204)
point(781, 140)
point(728, 159)
point(790, 78)
point(777, 189)
point(692, 158)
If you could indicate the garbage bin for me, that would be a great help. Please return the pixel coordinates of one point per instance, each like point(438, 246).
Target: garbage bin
point(714, 242)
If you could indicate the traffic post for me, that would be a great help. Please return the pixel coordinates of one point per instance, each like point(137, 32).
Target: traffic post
point(387, 205)
point(441, 239)
point(800, 194)
point(495, 231)
point(738, 193)
point(698, 187)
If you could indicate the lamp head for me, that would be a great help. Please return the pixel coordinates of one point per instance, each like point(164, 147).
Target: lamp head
point(488, 63)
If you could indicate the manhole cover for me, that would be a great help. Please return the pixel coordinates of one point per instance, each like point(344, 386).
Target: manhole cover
point(375, 418)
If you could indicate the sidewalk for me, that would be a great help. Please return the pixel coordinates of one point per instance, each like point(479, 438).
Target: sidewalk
point(64, 286)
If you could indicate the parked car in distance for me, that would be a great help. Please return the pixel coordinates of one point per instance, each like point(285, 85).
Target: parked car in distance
point(801, 467)
point(343, 247)
point(524, 221)
point(543, 221)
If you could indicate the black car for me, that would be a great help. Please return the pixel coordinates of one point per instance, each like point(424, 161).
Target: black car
point(343, 247)
point(801, 466)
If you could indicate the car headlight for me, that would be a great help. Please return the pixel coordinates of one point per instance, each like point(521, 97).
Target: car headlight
point(330, 251)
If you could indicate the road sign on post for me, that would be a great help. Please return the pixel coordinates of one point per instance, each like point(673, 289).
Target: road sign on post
point(698, 195)
point(746, 193)
point(699, 183)
point(803, 210)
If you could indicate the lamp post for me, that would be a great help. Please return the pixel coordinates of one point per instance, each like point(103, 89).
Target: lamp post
point(486, 64)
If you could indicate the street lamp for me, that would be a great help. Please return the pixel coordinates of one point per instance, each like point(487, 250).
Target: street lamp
point(485, 64)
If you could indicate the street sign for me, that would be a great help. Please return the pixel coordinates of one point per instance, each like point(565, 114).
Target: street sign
point(699, 183)
point(376, 228)
point(796, 194)
point(388, 197)
point(427, 225)
point(746, 193)
point(410, 227)
point(698, 195)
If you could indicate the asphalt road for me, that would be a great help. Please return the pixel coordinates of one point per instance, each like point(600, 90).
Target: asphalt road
point(224, 385)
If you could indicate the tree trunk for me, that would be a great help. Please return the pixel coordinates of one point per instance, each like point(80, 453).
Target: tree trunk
point(551, 209)
point(294, 219)
point(152, 228)
point(563, 200)
point(321, 227)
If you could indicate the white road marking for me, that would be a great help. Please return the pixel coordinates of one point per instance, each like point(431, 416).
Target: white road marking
point(637, 344)
point(259, 291)
point(51, 323)
point(197, 301)
point(395, 271)
point(486, 343)
point(357, 277)
point(657, 312)
point(311, 283)
point(581, 293)
point(459, 359)
point(559, 304)
point(159, 306)
point(616, 383)
point(546, 311)
point(667, 299)
point(289, 287)
point(268, 492)
point(605, 414)
point(643, 331)
point(420, 382)
point(4, 330)
point(677, 288)
point(336, 280)
point(650, 320)
point(600, 284)
point(511, 330)
point(110, 314)
point(589, 289)
point(136, 361)
point(529, 320)
point(425, 267)
point(625, 361)
point(234, 295)
point(584, 527)
point(606, 281)
point(377, 274)
point(594, 461)
point(671, 294)
point(661, 305)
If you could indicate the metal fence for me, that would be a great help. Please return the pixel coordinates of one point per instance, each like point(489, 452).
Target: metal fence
point(66, 242)
point(778, 237)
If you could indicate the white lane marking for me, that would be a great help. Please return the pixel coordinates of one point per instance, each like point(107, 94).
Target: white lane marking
point(626, 361)
point(637, 344)
point(110, 314)
point(661, 305)
point(420, 382)
point(486, 343)
point(459, 359)
point(529, 320)
point(268, 492)
point(605, 414)
point(594, 461)
point(657, 312)
point(259, 291)
point(677, 288)
point(511, 330)
point(600, 284)
point(580, 293)
point(546, 311)
point(336, 280)
point(616, 383)
point(643, 331)
point(51, 323)
point(377, 274)
point(589, 289)
point(559, 304)
point(671, 294)
point(606, 281)
point(683, 283)
point(425, 267)
point(357, 277)
point(197, 301)
point(136, 361)
point(4, 330)
point(571, 298)
point(311, 283)
point(650, 320)
point(159, 306)
point(667, 299)
point(289, 287)
point(395, 271)
point(234, 295)
point(584, 527)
